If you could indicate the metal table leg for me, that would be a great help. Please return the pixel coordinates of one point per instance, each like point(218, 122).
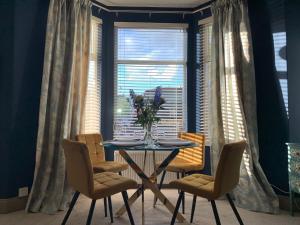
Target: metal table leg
point(149, 182)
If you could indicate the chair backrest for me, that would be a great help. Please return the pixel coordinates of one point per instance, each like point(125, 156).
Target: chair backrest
point(94, 143)
point(195, 154)
point(228, 170)
point(79, 167)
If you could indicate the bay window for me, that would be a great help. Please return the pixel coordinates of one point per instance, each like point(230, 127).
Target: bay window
point(148, 55)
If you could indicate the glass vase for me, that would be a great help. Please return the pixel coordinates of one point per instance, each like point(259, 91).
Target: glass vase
point(148, 138)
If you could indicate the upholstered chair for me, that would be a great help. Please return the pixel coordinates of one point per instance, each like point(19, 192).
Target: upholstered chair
point(188, 160)
point(226, 178)
point(94, 186)
point(95, 146)
point(94, 143)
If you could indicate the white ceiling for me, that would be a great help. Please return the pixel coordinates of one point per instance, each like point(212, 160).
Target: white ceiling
point(154, 3)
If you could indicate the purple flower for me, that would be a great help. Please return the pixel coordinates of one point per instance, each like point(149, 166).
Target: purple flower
point(132, 94)
point(132, 99)
point(145, 108)
point(157, 96)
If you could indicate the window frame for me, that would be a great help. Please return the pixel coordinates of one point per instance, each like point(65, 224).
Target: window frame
point(184, 62)
point(202, 103)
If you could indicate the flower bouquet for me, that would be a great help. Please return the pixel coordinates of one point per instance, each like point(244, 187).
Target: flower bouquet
point(146, 112)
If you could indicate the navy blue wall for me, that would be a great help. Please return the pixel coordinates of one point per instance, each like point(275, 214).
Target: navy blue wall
point(271, 113)
point(293, 52)
point(23, 27)
point(6, 70)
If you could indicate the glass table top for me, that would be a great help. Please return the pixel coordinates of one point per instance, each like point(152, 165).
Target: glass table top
point(142, 147)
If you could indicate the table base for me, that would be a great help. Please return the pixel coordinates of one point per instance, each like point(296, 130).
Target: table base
point(150, 183)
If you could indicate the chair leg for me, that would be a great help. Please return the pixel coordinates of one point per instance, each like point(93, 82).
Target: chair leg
point(214, 207)
point(178, 177)
point(110, 210)
point(125, 198)
point(91, 212)
point(177, 208)
point(74, 199)
point(162, 179)
point(234, 209)
point(105, 206)
point(193, 208)
point(183, 197)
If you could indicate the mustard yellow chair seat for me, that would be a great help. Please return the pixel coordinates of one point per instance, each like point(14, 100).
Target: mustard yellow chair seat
point(182, 165)
point(109, 166)
point(197, 184)
point(108, 183)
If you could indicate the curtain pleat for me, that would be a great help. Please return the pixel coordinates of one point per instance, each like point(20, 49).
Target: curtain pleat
point(62, 99)
point(233, 102)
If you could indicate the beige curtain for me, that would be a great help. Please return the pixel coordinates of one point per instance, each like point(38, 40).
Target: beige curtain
point(233, 102)
point(63, 93)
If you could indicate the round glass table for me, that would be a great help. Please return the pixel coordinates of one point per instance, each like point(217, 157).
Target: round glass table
point(149, 182)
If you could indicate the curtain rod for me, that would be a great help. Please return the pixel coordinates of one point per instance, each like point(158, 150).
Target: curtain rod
point(201, 9)
point(149, 11)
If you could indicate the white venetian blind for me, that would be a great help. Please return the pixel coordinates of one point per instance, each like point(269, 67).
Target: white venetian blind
point(147, 57)
point(232, 116)
point(92, 115)
point(203, 60)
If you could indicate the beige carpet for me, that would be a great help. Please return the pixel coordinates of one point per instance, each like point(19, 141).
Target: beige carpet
point(154, 216)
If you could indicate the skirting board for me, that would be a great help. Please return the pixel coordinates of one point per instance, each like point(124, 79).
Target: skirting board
point(12, 204)
point(284, 203)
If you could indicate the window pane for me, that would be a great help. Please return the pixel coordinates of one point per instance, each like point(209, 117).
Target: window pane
point(143, 62)
point(144, 77)
point(151, 44)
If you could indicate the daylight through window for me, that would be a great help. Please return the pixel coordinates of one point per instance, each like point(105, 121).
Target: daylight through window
point(146, 57)
point(92, 114)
